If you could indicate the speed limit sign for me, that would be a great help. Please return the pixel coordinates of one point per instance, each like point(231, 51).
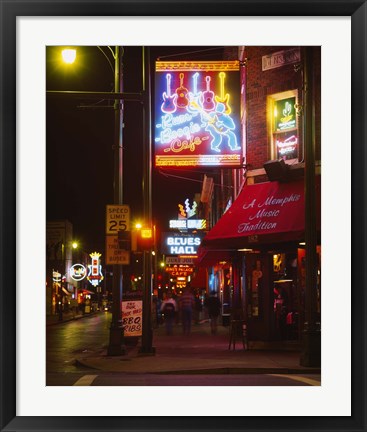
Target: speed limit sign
point(117, 218)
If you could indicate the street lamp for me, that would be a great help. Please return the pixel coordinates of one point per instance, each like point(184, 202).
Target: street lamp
point(116, 346)
point(68, 55)
point(116, 342)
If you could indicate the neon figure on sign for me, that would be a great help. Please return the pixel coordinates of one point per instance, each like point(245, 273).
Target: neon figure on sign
point(78, 272)
point(221, 125)
point(189, 211)
point(95, 269)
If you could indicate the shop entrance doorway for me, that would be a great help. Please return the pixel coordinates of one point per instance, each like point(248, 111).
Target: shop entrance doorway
point(286, 297)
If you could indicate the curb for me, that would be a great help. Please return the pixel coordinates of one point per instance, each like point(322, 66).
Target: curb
point(241, 371)
point(214, 371)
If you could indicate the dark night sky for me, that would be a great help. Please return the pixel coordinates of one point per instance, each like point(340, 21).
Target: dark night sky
point(79, 154)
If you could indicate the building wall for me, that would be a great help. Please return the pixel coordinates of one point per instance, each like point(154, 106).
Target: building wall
point(59, 236)
point(261, 84)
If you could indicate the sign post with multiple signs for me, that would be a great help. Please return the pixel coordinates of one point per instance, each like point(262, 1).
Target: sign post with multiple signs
point(117, 221)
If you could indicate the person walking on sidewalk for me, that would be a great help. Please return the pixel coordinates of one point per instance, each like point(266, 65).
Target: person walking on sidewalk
point(187, 304)
point(212, 303)
point(169, 308)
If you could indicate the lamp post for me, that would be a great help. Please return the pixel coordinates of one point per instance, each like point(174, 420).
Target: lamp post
point(311, 350)
point(116, 342)
point(147, 337)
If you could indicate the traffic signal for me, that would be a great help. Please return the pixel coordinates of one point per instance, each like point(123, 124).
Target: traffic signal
point(124, 240)
point(145, 239)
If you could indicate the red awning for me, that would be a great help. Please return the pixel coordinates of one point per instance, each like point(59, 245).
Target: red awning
point(87, 291)
point(207, 257)
point(263, 213)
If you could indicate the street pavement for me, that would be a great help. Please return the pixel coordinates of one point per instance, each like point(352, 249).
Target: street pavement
point(197, 353)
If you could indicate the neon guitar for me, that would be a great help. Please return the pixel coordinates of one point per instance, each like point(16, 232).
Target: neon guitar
point(169, 101)
point(208, 97)
point(223, 99)
point(195, 95)
point(182, 92)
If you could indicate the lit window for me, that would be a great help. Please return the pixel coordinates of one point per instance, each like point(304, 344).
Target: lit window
point(283, 126)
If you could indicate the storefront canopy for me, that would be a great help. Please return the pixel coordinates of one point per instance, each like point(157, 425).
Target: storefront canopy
point(263, 213)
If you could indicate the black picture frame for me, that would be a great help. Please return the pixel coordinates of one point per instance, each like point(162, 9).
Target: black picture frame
point(9, 11)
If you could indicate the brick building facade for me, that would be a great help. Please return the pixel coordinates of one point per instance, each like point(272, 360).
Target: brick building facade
point(262, 277)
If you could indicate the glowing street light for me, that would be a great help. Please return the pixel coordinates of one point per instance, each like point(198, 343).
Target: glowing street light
point(68, 55)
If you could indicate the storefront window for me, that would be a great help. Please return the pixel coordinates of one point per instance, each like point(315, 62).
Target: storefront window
point(283, 126)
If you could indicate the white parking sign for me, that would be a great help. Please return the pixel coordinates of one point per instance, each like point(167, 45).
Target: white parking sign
point(117, 218)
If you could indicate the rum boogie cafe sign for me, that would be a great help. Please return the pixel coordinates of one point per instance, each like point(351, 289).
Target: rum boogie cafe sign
point(197, 114)
point(180, 244)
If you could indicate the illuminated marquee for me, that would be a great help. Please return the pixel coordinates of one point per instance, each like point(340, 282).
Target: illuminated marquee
point(180, 270)
point(180, 244)
point(187, 224)
point(95, 269)
point(197, 114)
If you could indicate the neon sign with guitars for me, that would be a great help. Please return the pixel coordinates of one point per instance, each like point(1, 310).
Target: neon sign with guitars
point(197, 114)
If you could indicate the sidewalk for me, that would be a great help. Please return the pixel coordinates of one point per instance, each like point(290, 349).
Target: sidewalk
point(201, 353)
point(66, 316)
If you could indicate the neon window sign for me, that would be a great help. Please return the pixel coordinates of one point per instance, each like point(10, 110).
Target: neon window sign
point(197, 119)
point(285, 114)
point(287, 147)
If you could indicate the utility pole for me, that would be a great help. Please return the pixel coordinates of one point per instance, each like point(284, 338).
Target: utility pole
point(147, 337)
point(116, 344)
point(311, 349)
